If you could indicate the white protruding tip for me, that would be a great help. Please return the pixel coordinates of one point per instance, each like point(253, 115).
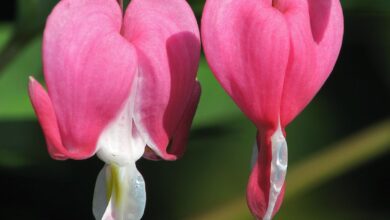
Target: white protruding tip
point(278, 170)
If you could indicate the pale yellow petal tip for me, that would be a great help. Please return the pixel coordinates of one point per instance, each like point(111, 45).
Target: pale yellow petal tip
point(31, 83)
point(31, 79)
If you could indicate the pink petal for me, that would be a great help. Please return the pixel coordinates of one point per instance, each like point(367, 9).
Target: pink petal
point(259, 185)
point(88, 67)
point(316, 29)
point(180, 137)
point(47, 118)
point(328, 33)
point(246, 43)
point(259, 181)
point(166, 36)
point(178, 145)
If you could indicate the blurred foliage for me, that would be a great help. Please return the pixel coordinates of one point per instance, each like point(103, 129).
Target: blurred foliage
point(213, 174)
point(374, 6)
point(13, 85)
point(31, 16)
point(29, 21)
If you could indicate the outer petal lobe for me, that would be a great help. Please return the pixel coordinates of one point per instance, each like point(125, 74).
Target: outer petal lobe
point(180, 137)
point(246, 43)
point(316, 29)
point(88, 68)
point(166, 36)
point(47, 118)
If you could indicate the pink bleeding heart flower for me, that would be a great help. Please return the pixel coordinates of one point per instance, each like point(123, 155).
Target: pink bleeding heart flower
point(271, 57)
point(116, 84)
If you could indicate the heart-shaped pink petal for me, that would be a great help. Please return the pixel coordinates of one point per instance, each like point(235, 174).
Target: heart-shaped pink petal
point(89, 68)
point(166, 36)
point(246, 43)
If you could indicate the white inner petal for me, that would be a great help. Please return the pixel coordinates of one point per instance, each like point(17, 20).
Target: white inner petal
point(119, 194)
point(100, 200)
point(139, 116)
point(120, 188)
point(278, 170)
point(120, 142)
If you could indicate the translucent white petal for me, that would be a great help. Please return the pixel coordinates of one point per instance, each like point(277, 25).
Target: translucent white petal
point(100, 199)
point(255, 154)
point(125, 188)
point(278, 169)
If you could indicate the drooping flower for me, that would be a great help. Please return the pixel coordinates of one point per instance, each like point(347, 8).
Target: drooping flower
point(271, 57)
point(117, 84)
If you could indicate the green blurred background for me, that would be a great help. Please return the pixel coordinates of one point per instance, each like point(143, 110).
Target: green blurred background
point(338, 147)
